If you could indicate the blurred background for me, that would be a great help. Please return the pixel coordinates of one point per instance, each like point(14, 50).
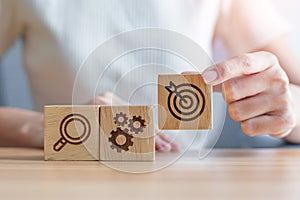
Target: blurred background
point(15, 91)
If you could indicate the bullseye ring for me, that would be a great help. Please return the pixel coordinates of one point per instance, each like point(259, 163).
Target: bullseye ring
point(185, 101)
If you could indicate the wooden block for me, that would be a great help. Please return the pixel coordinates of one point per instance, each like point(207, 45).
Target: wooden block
point(185, 102)
point(71, 133)
point(127, 133)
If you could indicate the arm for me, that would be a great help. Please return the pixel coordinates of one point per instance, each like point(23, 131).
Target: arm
point(17, 127)
point(25, 128)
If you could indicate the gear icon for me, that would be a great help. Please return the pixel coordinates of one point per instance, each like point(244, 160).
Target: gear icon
point(120, 133)
point(120, 119)
point(136, 124)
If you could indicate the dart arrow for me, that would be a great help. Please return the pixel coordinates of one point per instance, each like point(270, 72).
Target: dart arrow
point(172, 88)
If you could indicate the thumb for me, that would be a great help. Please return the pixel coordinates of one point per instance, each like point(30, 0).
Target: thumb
point(246, 64)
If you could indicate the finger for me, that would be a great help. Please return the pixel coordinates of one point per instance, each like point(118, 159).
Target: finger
point(108, 98)
point(257, 105)
point(161, 145)
point(268, 124)
point(242, 87)
point(216, 88)
point(282, 135)
point(174, 145)
point(271, 81)
point(100, 100)
point(246, 64)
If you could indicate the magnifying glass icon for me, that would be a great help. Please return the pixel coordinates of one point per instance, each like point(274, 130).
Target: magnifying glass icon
point(68, 137)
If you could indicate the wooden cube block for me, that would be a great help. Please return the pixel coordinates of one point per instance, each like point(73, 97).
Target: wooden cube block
point(127, 133)
point(185, 102)
point(71, 133)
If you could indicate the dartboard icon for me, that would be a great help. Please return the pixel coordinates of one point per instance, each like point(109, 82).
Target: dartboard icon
point(186, 102)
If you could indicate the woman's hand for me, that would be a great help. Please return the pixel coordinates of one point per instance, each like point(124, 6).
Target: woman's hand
point(257, 91)
point(108, 98)
point(162, 142)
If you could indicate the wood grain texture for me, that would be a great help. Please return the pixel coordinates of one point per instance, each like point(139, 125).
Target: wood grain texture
point(127, 133)
point(185, 102)
point(71, 133)
point(235, 174)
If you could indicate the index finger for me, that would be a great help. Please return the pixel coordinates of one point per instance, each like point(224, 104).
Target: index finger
point(246, 64)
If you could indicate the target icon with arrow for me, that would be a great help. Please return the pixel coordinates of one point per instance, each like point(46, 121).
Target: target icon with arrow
point(186, 102)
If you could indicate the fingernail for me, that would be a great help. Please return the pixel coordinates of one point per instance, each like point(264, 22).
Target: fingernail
point(210, 76)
